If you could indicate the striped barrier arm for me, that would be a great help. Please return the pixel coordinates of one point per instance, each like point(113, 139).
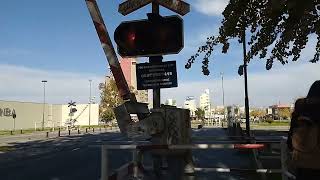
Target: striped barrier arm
point(109, 51)
point(185, 146)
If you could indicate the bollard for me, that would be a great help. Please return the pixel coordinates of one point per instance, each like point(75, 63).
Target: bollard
point(104, 163)
point(78, 131)
point(100, 129)
point(69, 132)
point(284, 158)
point(59, 133)
point(21, 131)
point(92, 129)
point(11, 132)
point(86, 130)
point(47, 134)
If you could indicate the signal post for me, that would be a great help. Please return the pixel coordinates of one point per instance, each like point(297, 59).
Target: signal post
point(152, 37)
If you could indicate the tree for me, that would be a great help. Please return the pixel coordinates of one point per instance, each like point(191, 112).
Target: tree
point(258, 113)
point(220, 111)
point(109, 99)
point(279, 29)
point(200, 114)
point(284, 113)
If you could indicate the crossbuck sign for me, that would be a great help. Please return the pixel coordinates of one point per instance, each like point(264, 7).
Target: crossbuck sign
point(178, 6)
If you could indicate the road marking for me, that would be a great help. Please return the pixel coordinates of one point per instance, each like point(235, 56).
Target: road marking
point(75, 149)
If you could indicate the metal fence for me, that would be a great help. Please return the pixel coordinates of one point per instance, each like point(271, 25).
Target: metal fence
point(134, 165)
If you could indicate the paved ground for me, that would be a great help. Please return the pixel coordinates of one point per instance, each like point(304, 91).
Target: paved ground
point(7, 139)
point(73, 158)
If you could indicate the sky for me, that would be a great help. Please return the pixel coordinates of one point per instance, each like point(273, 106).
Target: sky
point(56, 41)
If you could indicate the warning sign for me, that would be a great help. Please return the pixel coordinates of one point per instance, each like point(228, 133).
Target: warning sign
point(156, 75)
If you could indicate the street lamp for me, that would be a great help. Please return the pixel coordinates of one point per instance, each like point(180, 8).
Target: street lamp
point(224, 113)
point(44, 101)
point(90, 103)
point(246, 82)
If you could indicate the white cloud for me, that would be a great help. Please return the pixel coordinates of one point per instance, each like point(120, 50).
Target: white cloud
point(283, 85)
point(24, 84)
point(210, 7)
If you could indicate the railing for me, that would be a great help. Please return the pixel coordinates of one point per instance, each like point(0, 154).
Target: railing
point(134, 165)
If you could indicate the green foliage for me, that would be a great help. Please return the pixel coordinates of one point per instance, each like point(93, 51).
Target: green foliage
point(110, 99)
point(285, 113)
point(279, 29)
point(200, 114)
point(258, 113)
point(269, 121)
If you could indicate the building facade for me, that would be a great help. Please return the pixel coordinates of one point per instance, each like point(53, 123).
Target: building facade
point(31, 115)
point(171, 102)
point(128, 66)
point(190, 103)
point(205, 103)
point(275, 110)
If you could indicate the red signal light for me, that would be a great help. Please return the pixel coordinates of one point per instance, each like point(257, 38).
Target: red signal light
point(131, 36)
point(150, 37)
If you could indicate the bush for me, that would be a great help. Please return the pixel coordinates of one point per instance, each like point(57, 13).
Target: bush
point(269, 121)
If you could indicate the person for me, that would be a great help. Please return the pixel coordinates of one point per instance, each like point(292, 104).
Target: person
point(304, 135)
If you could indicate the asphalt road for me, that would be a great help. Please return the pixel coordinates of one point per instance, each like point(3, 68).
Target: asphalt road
point(73, 158)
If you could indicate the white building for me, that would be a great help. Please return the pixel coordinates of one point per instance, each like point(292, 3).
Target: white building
point(204, 102)
point(190, 103)
point(31, 115)
point(171, 102)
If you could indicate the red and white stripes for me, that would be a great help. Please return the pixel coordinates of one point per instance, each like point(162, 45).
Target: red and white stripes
point(109, 51)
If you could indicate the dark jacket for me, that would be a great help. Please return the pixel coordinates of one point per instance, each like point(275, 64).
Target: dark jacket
point(305, 128)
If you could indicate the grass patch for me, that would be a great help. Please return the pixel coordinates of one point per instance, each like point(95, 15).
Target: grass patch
point(28, 131)
point(6, 148)
point(286, 123)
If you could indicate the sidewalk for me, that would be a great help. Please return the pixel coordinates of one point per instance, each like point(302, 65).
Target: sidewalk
point(33, 146)
point(22, 138)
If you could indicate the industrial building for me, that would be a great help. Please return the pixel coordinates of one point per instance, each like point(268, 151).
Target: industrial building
point(32, 115)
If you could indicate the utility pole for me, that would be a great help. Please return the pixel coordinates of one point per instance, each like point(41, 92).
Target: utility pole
point(246, 82)
point(44, 101)
point(90, 103)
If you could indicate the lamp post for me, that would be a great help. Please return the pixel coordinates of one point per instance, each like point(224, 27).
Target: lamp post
point(246, 82)
point(90, 103)
point(44, 101)
point(224, 114)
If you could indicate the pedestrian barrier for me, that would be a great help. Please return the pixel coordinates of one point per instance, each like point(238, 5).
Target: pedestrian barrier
point(135, 166)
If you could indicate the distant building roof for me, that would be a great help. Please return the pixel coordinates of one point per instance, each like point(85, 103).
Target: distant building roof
point(281, 106)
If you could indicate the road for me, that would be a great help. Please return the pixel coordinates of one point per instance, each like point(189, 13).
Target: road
point(71, 158)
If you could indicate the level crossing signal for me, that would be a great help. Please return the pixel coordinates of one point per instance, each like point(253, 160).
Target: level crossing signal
point(154, 36)
point(71, 103)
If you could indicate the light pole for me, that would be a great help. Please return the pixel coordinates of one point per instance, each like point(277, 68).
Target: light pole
point(224, 113)
point(90, 103)
point(246, 82)
point(44, 101)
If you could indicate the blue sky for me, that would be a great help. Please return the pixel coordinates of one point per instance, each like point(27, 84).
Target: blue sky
point(56, 40)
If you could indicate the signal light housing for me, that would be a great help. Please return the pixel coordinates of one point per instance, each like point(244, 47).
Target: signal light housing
point(150, 37)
